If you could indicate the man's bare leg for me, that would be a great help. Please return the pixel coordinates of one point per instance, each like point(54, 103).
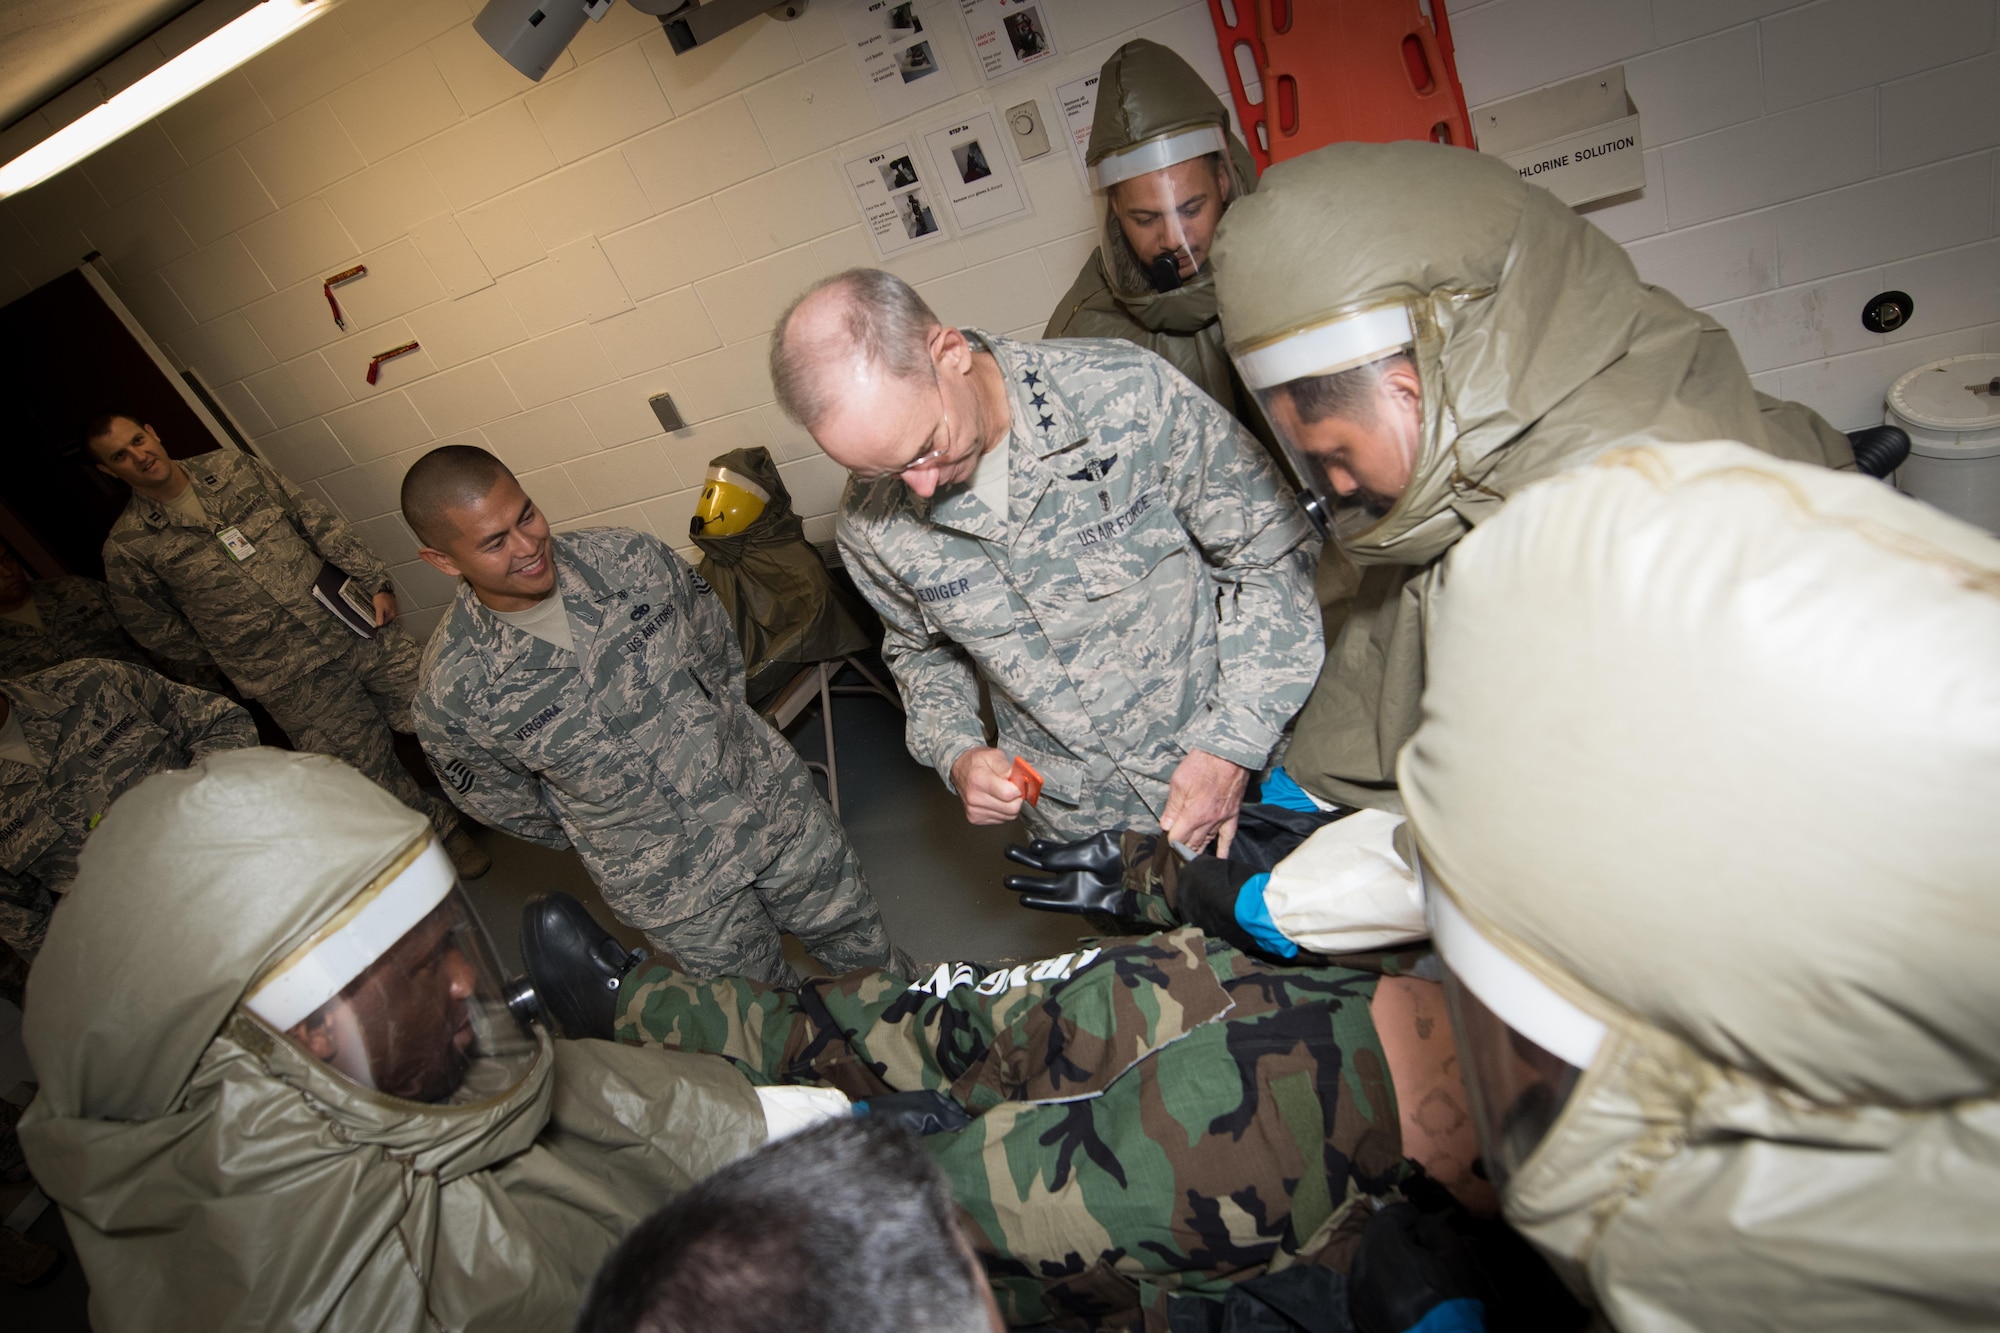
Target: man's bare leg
point(1438, 1133)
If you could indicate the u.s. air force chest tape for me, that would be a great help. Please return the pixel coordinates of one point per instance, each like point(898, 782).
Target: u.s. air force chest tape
point(1065, 1028)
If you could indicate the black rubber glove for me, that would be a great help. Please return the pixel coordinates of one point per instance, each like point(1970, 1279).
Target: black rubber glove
point(1085, 876)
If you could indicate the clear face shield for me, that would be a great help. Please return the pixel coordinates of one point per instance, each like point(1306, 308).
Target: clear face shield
point(399, 992)
point(1162, 200)
point(1343, 398)
point(1523, 1047)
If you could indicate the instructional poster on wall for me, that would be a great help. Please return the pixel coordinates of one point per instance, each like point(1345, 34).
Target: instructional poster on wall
point(1008, 35)
point(893, 44)
point(897, 203)
point(976, 177)
point(1077, 100)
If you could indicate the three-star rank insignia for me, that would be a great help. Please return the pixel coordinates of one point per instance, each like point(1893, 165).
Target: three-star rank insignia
point(1038, 398)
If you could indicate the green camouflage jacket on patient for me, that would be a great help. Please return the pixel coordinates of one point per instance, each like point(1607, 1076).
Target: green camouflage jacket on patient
point(184, 597)
point(1154, 1117)
point(637, 748)
point(77, 621)
point(93, 729)
point(1149, 590)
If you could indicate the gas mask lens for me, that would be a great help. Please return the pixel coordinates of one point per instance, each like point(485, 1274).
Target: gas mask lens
point(729, 502)
point(399, 992)
point(1162, 200)
point(1522, 1046)
point(1327, 394)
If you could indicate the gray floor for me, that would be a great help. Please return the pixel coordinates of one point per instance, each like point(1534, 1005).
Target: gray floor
point(936, 877)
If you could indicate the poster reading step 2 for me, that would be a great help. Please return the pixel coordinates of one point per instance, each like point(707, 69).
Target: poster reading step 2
point(977, 178)
point(895, 200)
point(1008, 35)
point(898, 58)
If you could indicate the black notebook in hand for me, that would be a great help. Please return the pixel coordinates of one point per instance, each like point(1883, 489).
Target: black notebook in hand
point(338, 593)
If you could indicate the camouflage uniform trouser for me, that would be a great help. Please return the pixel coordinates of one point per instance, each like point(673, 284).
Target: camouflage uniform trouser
point(348, 707)
point(814, 890)
point(1154, 1117)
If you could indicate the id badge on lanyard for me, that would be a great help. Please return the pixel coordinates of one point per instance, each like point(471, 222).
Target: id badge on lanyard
point(240, 548)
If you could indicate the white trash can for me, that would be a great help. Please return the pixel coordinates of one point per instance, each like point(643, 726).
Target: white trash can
point(1951, 409)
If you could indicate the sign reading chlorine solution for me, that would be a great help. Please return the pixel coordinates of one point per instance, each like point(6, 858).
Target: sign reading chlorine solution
point(1579, 140)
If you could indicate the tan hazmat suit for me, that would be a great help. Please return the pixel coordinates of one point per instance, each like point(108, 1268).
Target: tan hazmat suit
point(214, 1176)
point(1538, 348)
point(1711, 748)
point(1144, 90)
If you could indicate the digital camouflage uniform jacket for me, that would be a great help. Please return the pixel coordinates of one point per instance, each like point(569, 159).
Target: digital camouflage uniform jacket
point(96, 728)
point(77, 621)
point(1152, 1117)
point(183, 596)
point(1149, 592)
point(638, 749)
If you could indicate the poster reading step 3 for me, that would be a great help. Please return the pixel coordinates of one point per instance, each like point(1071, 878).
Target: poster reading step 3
point(898, 57)
point(977, 179)
point(896, 201)
point(1008, 35)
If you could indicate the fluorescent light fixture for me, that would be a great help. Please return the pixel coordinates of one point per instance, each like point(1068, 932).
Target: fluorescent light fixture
point(193, 69)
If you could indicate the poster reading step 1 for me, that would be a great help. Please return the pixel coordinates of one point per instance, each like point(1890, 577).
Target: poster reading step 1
point(977, 179)
point(895, 200)
point(1007, 35)
point(896, 53)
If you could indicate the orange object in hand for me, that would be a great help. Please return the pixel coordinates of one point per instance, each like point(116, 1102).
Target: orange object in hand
point(1024, 776)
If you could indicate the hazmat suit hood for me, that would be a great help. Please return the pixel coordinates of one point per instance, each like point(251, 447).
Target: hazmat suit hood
point(785, 608)
point(1145, 91)
point(214, 1175)
point(1711, 749)
point(1537, 346)
point(1536, 342)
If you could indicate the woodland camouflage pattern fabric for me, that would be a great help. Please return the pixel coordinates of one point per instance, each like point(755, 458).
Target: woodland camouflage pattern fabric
point(77, 621)
point(1148, 592)
point(182, 595)
point(97, 728)
point(1153, 1117)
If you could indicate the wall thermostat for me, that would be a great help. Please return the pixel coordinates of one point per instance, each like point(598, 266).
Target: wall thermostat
point(1031, 136)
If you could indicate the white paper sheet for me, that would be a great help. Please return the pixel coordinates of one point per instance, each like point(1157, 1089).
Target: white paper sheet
point(975, 171)
point(894, 44)
point(1076, 102)
point(897, 202)
point(1008, 35)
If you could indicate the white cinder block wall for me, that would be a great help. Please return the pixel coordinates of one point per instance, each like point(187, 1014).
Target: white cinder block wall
point(1799, 159)
point(632, 224)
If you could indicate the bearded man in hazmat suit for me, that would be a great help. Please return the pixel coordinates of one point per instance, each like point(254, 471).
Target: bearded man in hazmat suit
point(1732, 1036)
point(1164, 166)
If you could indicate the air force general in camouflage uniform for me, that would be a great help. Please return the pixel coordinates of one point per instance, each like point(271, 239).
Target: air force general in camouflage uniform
point(1147, 593)
point(76, 736)
point(699, 822)
point(180, 591)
